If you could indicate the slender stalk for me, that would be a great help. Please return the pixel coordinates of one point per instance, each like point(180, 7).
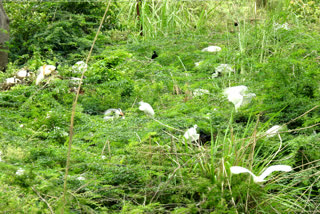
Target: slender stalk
point(138, 16)
point(73, 114)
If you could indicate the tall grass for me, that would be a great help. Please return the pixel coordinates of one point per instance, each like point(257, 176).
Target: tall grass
point(168, 17)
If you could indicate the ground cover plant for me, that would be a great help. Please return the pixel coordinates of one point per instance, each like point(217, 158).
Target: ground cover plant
point(143, 163)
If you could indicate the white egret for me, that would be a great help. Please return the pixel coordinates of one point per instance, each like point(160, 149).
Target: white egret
point(79, 67)
point(238, 96)
point(191, 134)
point(212, 49)
point(146, 108)
point(267, 172)
point(12, 81)
point(23, 73)
point(222, 69)
point(113, 113)
point(273, 131)
point(44, 71)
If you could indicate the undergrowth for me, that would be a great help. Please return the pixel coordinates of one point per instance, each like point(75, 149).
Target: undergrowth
point(144, 165)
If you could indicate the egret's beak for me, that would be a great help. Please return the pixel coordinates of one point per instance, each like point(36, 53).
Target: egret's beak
point(122, 115)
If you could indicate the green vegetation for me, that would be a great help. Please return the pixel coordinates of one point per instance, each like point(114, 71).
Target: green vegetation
point(142, 164)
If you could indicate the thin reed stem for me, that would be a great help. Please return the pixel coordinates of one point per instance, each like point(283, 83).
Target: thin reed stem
point(73, 114)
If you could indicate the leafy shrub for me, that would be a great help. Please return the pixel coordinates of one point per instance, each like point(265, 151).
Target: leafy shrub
point(54, 29)
point(105, 85)
point(307, 10)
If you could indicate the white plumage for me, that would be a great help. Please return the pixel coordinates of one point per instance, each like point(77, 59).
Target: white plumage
point(47, 69)
point(212, 49)
point(113, 113)
point(40, 77)
point(12, 81)
point(79, 67)
point(247, 98)
point(44, 71)
point(146, 108)
point(273, 131)
point(222, 68)
point(238, 96)
point(191, 134)
point(267, 172)
point(23, 73)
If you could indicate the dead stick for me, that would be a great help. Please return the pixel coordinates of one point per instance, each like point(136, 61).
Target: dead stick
point(104, 147)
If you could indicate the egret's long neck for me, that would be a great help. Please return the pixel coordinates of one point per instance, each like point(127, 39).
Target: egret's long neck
point(43, 70)
point(255, 178)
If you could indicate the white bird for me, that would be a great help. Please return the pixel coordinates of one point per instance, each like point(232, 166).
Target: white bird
point(238, 96)
point(44, 71)
point(23, 73)
point(79, 67)
point(212, 49)
point(146, 108)
point(40, 77)
point(273, 131)
point(12, 81)
point(191, 134)
point(268, 171)
point(113, 113)
point(224, 68)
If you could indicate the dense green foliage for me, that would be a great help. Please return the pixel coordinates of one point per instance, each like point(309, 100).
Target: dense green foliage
point(56, 30)
point(143, 165)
